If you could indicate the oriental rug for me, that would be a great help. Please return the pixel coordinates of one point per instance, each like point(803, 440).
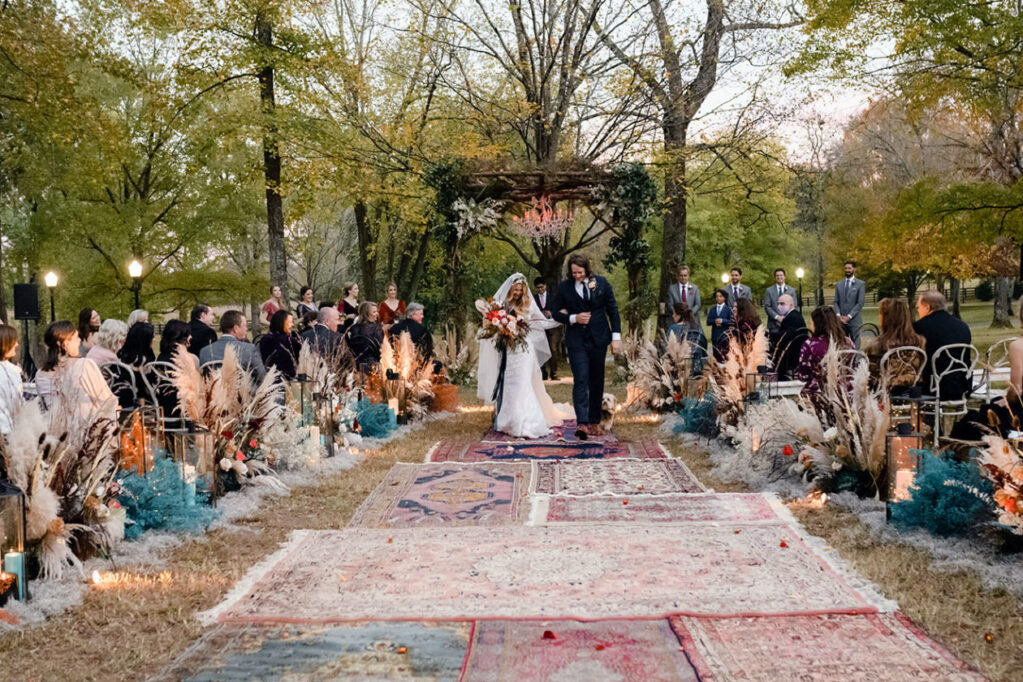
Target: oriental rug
point(569, 571)
point(568, 650)
point(421, 652)
point(682, 508)
point(452, 451)
point(862, 648)
point(564, 433)
point(411, 495)
point(614, 477)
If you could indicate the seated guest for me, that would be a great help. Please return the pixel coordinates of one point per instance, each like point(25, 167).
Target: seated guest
point(792, 333)
point(71, 388)
point(108, 341)
point(137, 315)
point(747, 321)
point(280, 347)
point(348, 306)
point(687, 329)
point(11, 383)
point(413, 324)
point(940, 329)
point(306, 304)
point(896, 331)
point(200, 326)
point(772, 296)
point(136, 352)
point(307, 322)
point(88, 326)
point(173, 342)
point(720, 320)
point(366, 335)
point(234, 328)
point(828, 332)
point(391, 308)
point(322, 336)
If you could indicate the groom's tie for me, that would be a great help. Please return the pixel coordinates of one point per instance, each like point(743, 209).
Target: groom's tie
point(586, 292)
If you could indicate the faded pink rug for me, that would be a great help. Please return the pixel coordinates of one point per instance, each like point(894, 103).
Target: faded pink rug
point(571, 571)
point(486, 493)
point(614, 477)
point(454, 451)
point(684, 508)
point(563, 433)
point(863, 648)
point(511, 651)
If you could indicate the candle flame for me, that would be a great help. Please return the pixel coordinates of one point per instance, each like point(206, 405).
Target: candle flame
point(96, 578)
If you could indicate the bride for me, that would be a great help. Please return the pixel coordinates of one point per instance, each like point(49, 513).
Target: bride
point(525, 410)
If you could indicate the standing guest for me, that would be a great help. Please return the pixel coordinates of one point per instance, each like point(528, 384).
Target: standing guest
point(272, 305)
point(322, 336)
point(366, 336)
point(941, 329)
point(200, 326)
point(413, 324)
point(792, 334)
point(68, 385)
point(850, 294)
point(306, 304)
point(391, 308)
point(88, 325)
point(736, 289)
point(828, 332)
point(109, 340)
point(896, 332)
point(686, 328)
point(137, 315)
point(684, 292)
point(747, 321)
point(549, 369)
point(771, 298)
point(234, 328)
point(348, 306)
point(280, 348)
point(11, 384)
point(720, 319)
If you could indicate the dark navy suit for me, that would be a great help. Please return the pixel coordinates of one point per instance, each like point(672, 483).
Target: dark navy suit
point(587, 343)
point(719, 335)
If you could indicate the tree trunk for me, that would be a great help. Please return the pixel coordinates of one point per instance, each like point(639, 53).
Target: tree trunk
point(412, 288)
point(278, 250)
point(955, 286)
point(255, 325)
point(367, 261)
point(673, 245)
point(632, 307)
point(1003, 305)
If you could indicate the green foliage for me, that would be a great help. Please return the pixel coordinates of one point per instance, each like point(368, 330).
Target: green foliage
point(948, 497)
point(985, 291)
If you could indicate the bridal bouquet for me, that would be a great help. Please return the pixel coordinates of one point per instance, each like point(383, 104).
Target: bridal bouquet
point(508, 331)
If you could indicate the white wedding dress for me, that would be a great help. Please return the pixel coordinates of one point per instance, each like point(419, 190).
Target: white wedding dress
point(526, 409)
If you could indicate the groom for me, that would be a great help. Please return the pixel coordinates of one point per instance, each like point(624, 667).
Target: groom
point(586, 305)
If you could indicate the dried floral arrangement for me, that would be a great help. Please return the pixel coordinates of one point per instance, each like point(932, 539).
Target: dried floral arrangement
point(458, 358)
point(414, 371)
point(333, 380)
point(1001, 462)
point(659, 381)
point(728, 378)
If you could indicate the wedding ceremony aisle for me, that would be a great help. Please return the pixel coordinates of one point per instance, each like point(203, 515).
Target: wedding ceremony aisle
point(555, 559)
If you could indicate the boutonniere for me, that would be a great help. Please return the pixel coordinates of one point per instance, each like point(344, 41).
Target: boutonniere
point(592, 283)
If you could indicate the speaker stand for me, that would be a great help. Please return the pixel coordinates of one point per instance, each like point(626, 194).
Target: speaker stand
point(27, 365)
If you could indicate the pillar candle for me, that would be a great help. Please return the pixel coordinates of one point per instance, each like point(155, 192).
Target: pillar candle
point(392, 411)
point(14, 563)
point(188, 475)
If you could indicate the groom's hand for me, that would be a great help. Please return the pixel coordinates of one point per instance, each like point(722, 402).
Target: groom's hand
point(582, 318)
point(616, 346)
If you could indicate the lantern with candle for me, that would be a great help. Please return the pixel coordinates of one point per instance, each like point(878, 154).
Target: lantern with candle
point(326, 421)
point(193, 450)
point(301, 396)
point(903, 448)
point(141, 433)
point(12, 541)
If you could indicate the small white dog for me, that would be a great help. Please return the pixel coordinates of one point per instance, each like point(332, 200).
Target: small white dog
point(608, 408)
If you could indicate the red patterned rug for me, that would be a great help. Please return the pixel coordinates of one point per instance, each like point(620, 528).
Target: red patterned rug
point(454, 451)
point(861, 648)
point(570, 571)
point(568, 650)
point(614, 477)
point(486, 493)
point(564, 433)
point(683, 508)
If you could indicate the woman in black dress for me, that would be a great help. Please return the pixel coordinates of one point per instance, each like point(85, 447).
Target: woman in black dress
point(280, 347)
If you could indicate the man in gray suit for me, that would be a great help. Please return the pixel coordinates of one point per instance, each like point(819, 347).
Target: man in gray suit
point(771, 296)
point(850, 294)
point(234, 328)
point(737, 289)
point(684, 292)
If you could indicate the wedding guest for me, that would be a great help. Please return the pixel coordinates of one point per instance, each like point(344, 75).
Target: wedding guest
point(543, 300)
point(136, 352)
point(941, 329)
point(792, 334)
point(720, 319)
point(850, 295)
point(70, 386)
point(235, 329)
point(736, 289)
point(305, 304)
point(747, 321)
point(272, 305)
point(366, 336)
point(177, 335)
point(323, 336)
point(828, 332)
point(896, 331)
point(200, 326)
point(280, 347)
point(11, 384)
point(391, 308)
point(88, 325)
point(109, 340)
point(687, 329)
point(308, 321)
point(348, 306)
point(137, 315)
point(772, 296)
point(684, 292)
point(413, 324)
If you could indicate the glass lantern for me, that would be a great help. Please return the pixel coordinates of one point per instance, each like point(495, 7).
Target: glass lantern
point(301, 396)
point(141, 433)
point(326, 421)
point(14, 576)
point(193, 451)
point(903, 449)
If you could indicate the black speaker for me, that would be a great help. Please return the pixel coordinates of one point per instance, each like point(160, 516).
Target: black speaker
point(26, 301)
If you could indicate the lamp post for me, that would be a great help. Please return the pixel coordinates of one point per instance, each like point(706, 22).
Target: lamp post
point(724, 278)
point(800, 272)
point(135, 270)
point(51, 284)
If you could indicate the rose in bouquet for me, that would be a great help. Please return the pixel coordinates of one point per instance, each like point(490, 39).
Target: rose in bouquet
point(508, 331)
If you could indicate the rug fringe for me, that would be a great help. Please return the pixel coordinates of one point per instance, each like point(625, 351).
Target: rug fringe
point(539, 508)
point(253, 576)
point(429, 453)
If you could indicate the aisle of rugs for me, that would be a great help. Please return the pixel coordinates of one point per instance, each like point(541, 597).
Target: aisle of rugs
point(559, 560)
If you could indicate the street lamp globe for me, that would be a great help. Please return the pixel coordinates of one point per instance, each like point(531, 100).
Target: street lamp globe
point(135, 269)
point(800, 272)
point(51, 279)
point(724, 278)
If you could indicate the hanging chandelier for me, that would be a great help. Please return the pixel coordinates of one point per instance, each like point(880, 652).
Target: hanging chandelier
point(541, 221)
